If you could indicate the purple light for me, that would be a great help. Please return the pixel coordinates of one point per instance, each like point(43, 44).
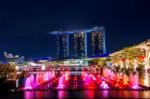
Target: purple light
point(29, 83)
point(61, 83)
point(104, 85)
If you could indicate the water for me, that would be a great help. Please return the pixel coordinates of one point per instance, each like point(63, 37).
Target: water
point(125, 79)
point(82, 86)
point(28, 83)
point(89, 80)
point(60, 82)
point(104, 85)
point(75, 94)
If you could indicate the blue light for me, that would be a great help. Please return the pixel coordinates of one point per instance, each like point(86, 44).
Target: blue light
point(78, 31)
point(100, 55)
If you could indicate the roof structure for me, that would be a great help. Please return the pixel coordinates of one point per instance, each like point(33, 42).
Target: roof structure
point(78, 31)
point(144, 44)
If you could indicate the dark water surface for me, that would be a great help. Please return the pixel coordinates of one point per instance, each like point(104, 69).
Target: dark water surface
point(75, 94)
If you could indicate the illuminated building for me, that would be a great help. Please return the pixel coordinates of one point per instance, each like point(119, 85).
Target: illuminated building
point(80, 45)
point(63, 45)
point(98, 42)
point(140, 58)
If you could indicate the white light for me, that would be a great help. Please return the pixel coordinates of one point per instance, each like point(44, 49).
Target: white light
point(144, 63)
point(144, 47)
point(145, 59)
point(17, 67)
point(32, 64)
point(16, 56)
point(43, 67)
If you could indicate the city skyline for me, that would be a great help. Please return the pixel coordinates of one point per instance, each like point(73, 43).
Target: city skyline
point(24, 26)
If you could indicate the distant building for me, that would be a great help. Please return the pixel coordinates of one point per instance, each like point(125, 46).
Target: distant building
point(80, 44)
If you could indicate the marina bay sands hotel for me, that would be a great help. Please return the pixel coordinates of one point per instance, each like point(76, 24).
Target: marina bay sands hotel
point(80, 41)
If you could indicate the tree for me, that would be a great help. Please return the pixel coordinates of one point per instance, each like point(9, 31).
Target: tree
point(6, 70)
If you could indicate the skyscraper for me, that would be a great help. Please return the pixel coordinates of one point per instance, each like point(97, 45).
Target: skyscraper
point(80, 45)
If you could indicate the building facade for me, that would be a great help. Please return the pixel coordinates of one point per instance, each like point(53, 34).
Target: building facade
point(80, 42)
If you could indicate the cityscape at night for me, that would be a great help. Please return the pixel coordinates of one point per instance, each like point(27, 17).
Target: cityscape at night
point(74, 49)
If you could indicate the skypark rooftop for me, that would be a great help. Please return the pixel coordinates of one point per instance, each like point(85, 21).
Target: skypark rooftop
point(78, 31)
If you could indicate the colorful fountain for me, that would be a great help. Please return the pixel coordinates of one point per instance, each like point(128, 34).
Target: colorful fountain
point(53, 73)
point(135, 81)
point(104, 85)
point(29, 83)
point(60, 82)
point(125, 79)
point(34, 81)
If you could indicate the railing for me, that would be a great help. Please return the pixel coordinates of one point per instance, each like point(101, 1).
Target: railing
point(56, 68)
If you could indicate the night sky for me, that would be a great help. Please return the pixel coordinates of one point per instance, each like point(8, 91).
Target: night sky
point(24, 24)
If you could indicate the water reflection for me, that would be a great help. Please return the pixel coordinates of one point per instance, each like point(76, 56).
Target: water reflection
point(89, 94)
point(40, 94)
point(86, 94)
point(135, 94)
point(105, 93)
point(145, 94)
point(62, 94)
point(29, 94)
